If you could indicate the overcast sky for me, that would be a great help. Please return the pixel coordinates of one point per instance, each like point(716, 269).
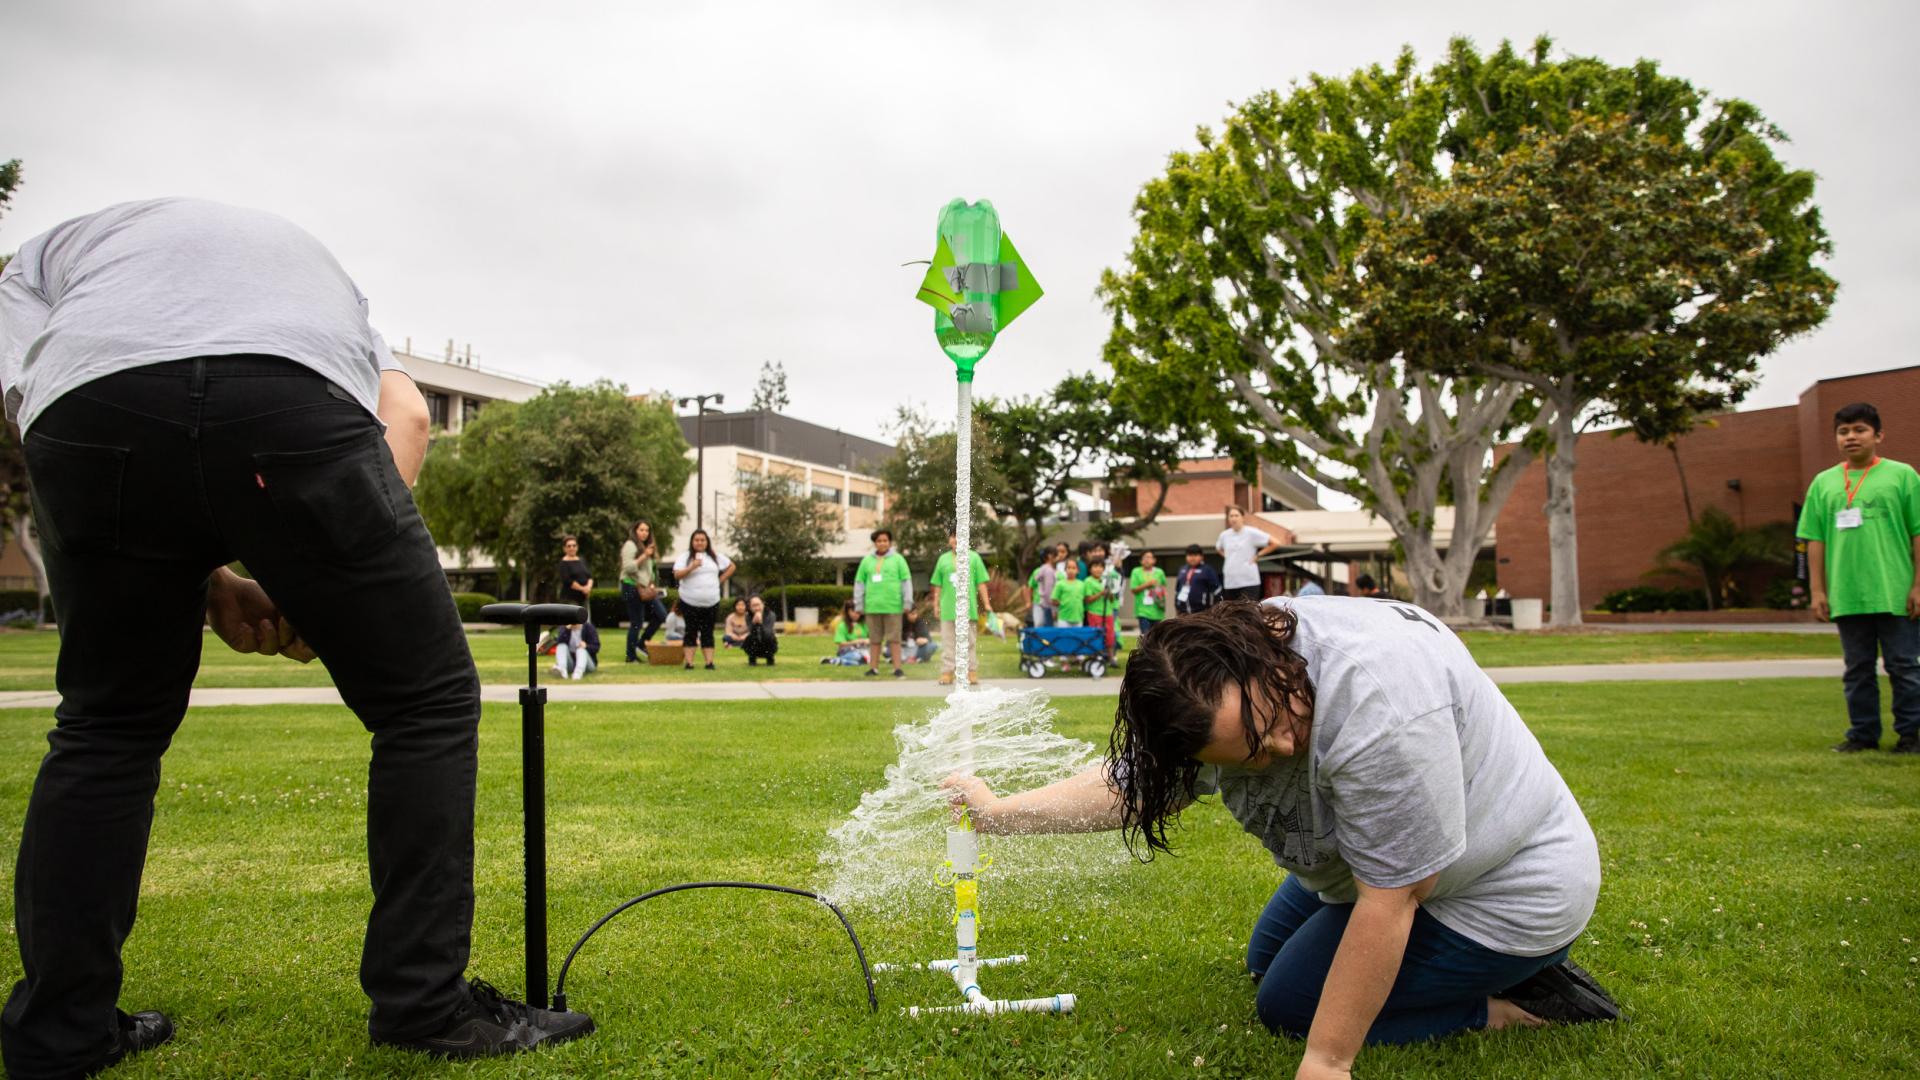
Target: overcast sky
point(669, 195)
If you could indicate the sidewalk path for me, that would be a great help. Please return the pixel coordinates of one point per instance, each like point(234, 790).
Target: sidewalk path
point(1694, 671)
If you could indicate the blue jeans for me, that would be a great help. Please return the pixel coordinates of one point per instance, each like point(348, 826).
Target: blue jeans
point(1443, 985)
point(651, 613)
point(1896, 639)
point(1146, 625)
point(1043, 615)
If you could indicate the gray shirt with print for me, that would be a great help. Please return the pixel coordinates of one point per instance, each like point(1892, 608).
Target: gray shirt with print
point(1418, 765)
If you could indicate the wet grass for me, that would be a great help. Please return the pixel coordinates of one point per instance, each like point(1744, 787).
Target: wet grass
point(27, 657)
point(1759, 915)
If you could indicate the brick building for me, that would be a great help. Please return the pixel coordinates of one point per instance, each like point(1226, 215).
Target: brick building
point(1755, 465)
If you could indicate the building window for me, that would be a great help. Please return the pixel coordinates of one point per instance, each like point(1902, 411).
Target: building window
point(437, 404)
point(825, 494)
point(469, 408)
point(1268, 502)
point(860, 500)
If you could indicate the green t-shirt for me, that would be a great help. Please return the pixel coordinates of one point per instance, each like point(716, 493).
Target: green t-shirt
point(1099, 602)
point(1154, 579)
point(943, 580)
point(885, 577)
point(1070, 594)
point(849, 631)
point(1870, 566)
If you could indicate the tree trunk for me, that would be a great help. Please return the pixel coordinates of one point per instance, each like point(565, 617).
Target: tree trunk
point(1438, 585)
point(29, 542)
point(785, 614)
point(1686, 495)
point(1562, 540)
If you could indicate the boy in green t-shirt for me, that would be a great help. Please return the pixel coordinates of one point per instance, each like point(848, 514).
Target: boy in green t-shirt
point(1101, 600)
point(1069, 595)
point(1861, 523)
point(940, 590)
point(883, 594)
point(1148, 584)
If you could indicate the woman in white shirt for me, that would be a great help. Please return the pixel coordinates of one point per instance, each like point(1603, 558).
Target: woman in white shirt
point(1241, 550)
point(700, 570)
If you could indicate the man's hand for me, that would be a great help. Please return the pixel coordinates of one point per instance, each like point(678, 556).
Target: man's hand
point(1822, 611)
point(244, 616)
point(1913, 601)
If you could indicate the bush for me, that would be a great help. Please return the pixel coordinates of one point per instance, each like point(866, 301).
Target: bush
point(470, 603)
point(827, 598)
point(19, 600)
point(1653, 598)
point(1787, 594)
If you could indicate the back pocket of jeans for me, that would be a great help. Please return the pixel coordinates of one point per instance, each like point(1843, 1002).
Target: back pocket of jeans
point(76, 491)
point(334, 503)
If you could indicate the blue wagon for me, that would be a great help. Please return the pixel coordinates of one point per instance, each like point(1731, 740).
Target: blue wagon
point(1085, 644)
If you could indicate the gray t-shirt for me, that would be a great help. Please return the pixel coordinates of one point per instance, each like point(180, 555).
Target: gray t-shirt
point(1416, 765)
point(1238, 550)
point(166, 279)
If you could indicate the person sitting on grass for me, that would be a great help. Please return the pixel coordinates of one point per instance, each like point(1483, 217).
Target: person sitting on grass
point(576, 652)
point(1439, 869)
point(761, 642)
point(734, 634)
point(849, 639)
point(918, 639)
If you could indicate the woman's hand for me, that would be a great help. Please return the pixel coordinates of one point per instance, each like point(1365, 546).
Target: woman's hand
point(968, 794)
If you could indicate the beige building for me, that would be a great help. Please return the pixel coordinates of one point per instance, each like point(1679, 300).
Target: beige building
point(835, 468)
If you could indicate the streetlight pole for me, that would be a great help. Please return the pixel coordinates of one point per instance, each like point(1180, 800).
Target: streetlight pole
point(699, 402)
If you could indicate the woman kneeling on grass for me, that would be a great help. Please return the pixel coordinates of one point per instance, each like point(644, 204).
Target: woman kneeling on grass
point(1439, 868)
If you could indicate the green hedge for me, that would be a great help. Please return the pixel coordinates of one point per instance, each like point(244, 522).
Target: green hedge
point(1651, 598)
point(827, 598)
point(19, 600)
point(470, 604)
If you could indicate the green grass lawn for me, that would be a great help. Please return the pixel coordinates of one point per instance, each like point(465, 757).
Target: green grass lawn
point(1759, 915)
point(27, 657)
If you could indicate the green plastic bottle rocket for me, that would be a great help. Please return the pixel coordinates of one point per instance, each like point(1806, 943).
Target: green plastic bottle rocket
point(977, 284)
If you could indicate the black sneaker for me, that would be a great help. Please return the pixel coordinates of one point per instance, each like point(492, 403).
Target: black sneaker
point(1854, 746)
point(898, 674)
point(1564, 993)
point(873, 673)
point(138, 1032)
point(1908, 744)
point(490, 1024)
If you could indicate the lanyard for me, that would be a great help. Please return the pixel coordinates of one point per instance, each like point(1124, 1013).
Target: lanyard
point(1852, 488)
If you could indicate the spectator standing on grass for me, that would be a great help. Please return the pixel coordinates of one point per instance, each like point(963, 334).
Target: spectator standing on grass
point(763, 639)
point(1040, 587)
point(1100, 599)
point(1148, 584)
point(734, 634)
point(1861, 522)
point(576, 579)
point(640, 588)
point(700, 570)
point(941, 589)
point(883, 594)
point(212, 367)
point(1070, 596)
point(1196, 586)
point(1241, 548)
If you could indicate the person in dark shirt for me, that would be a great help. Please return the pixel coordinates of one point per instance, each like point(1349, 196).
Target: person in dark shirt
point(1196, 586)
point(762, 633)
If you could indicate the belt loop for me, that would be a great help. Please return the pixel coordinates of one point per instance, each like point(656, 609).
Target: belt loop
point(199, 384)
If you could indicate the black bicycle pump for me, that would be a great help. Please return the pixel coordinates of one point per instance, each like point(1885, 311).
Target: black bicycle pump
point(533, 775)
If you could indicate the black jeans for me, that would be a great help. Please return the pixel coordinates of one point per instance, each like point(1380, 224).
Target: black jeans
point(1896, 641)
point(643, 618)
point(144, 482)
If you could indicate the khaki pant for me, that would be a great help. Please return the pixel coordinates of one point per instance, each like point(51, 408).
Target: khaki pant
point(946, 647)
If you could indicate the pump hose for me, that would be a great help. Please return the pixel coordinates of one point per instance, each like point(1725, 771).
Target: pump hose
point(560, 984)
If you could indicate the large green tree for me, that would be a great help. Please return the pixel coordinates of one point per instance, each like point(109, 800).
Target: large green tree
point(16, 502)
point(780, 533)
point(1228, 313)
point(1045, 446)
point(587, 461)
point(920, 482)
point(1630, 264)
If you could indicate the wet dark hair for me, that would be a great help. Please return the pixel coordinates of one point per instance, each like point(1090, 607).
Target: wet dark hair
point(1172, 688)
point(1857, 413)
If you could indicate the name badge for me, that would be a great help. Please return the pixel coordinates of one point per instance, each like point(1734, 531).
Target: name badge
point(1848, 518)
point(1183, 594)
point(878, 577)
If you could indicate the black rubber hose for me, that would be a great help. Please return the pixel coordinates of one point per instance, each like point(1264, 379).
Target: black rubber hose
point(866, 971)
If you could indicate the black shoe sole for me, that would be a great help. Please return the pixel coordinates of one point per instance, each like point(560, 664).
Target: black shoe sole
point(480, 1049)
point(1565, 993)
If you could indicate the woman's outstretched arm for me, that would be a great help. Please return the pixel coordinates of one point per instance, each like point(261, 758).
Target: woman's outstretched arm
point(1083, 802)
